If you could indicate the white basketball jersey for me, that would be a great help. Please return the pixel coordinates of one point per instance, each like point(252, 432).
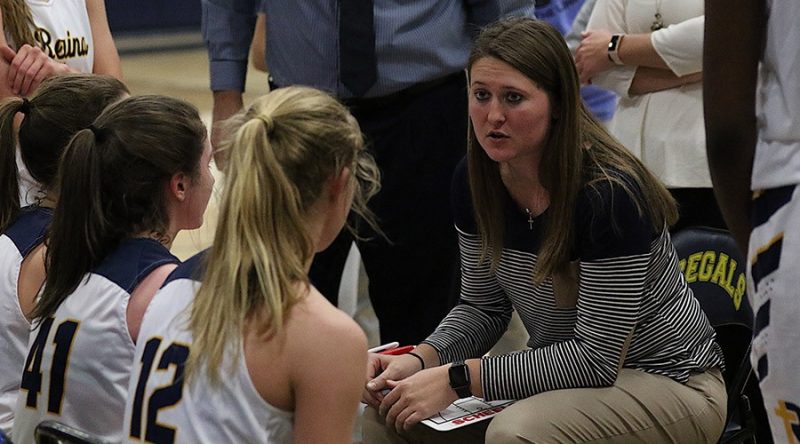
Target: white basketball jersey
point(79, 360)
point(777, 157)
point(21, 237)
point(64, 32)
point(163, 408)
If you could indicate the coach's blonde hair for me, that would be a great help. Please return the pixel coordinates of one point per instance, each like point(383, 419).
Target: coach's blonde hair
point(18, 22)
point(281, 152)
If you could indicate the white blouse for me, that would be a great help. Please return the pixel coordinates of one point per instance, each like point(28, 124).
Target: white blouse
point(664, 129)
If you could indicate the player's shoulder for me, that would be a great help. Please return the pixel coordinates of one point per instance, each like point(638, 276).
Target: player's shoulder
point(316, 323)
point(318, 312)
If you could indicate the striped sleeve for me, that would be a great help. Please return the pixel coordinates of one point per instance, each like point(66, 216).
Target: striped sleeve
point(610, 296)
point(613, 246)
point(482, 315)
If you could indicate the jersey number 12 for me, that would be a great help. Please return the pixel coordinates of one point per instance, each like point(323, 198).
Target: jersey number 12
point(165, 396)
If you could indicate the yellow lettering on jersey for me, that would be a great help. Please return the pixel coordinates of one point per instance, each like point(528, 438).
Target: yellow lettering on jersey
point(789, 419)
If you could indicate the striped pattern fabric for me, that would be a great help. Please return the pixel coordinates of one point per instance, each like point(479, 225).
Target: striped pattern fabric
point(634, 307)
point(640, 299)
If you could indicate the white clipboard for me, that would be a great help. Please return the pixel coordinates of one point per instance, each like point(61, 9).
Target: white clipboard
point(464, 412)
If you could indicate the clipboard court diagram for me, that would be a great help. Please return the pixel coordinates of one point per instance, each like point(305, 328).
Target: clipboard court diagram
point(465, 411)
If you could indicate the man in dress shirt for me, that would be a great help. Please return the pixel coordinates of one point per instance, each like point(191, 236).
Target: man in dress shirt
point(413, 115)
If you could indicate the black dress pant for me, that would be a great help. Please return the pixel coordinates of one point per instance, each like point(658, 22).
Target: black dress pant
point(417, 138)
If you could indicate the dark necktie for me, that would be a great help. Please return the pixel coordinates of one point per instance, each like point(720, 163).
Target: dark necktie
point(357, 63)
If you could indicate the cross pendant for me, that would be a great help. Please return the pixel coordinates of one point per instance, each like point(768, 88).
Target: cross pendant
point(530, 219)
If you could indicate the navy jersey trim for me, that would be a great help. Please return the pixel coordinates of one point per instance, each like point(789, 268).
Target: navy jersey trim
point(29, 229)
point(768, 260)
point(133, 260)
point(769, 202)
point(193, 269)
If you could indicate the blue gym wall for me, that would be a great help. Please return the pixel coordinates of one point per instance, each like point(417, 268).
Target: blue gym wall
point(148, 16)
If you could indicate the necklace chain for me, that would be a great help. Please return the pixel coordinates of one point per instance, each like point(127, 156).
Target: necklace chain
point(531, 219)
point(658, 23)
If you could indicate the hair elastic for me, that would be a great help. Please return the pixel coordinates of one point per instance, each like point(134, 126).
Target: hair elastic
point(99, 133)
point(25, 107)
point(269, 123)
point(421, 361)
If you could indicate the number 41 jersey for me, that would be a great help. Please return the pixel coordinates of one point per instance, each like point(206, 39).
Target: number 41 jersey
point(20, 239)
point(79, 360)
point(164, 407)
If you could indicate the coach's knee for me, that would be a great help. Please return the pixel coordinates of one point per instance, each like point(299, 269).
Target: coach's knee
point(519, 426)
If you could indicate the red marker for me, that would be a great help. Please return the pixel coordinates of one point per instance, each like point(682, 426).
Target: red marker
point(398, 350)
point(384, 347)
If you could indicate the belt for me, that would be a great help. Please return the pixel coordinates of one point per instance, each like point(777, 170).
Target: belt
point(402, 96)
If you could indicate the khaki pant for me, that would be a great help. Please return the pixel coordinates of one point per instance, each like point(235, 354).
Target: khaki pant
point(638, 408)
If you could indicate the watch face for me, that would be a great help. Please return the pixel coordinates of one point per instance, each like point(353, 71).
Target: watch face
point(612, 44)
point(459, 375)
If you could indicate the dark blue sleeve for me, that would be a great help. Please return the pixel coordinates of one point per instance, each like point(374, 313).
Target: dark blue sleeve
point(461, 199)
point(193, 268)
point(608, 223)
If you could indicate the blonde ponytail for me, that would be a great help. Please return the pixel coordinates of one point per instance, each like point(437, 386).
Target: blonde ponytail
point(281, 152)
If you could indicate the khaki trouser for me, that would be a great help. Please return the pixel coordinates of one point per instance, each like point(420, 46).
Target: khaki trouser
point(638, 408)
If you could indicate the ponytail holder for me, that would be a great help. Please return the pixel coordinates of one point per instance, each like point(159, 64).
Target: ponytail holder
point(25, 107)
point(269, 123)
point(99, 133)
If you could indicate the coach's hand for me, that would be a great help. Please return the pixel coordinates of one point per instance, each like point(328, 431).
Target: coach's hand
point(417, 397)
point(382, 368)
